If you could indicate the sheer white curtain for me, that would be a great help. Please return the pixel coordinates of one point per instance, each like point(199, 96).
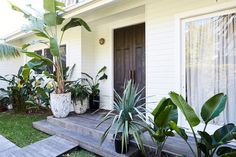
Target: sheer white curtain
point(210, 48)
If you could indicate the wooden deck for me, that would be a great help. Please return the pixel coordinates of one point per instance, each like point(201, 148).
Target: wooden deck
point(49, 147)
point(82, 130)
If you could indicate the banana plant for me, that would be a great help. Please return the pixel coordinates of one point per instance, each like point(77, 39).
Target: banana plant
point(207, 144)
point(160, 130)
point(46, 28)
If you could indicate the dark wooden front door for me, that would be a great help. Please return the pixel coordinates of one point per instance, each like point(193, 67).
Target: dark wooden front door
point(129, 56)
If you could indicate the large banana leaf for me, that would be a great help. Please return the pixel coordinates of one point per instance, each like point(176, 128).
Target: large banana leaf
point(54, 48)
point(213, 107)
point(164, 112)
point(224, 134)
point(181, 132)
point(8, 51)
point(74, 22)
point(186, 109)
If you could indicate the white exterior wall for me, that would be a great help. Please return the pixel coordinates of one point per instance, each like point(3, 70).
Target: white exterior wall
point(163, 59)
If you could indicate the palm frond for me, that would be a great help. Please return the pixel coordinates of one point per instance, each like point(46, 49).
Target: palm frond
point(8, 51)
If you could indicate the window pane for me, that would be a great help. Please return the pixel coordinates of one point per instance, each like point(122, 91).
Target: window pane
point(48, 55)
point(39, 52)
point(210, 46)
point(63, 56)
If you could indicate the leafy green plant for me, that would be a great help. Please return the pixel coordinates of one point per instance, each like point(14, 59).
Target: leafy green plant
point(207, 144)
point(160, 130)
point(78, 91)
point(127, 116)
point(45, 27)
point(24, 90)
point(95, 82)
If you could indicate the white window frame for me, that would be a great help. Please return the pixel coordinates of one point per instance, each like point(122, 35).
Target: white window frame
point(181, 20)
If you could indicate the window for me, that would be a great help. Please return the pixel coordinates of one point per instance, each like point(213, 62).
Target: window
point(210, 62)
point(48, 55)
point(63, 57)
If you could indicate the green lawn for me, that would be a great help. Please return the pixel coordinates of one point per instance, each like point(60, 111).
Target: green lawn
point(18, 129)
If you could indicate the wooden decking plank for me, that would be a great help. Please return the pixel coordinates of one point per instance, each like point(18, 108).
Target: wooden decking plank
point(51, 147)
point(5, 144)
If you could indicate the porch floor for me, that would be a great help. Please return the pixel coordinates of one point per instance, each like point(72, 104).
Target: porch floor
point(82, 130)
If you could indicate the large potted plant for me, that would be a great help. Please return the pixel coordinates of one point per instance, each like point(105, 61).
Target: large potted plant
point(79, 96)
point(127, 119)
point(46, 28)
point(94, 83)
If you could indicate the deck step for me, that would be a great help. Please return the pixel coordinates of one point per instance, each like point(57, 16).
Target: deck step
point(6, 147)
point(49, 147)
point(84, 141)
point(82, 125)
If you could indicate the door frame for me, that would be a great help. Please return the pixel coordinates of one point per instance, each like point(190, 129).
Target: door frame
point(113, 52)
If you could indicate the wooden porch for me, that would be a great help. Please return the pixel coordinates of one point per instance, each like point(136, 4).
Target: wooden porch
point(81, 129)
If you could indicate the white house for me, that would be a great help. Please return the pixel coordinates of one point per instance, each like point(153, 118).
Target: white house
point(187, 46)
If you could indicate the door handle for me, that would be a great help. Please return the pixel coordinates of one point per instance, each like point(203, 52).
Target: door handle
point(133, 75)
point(130, 74)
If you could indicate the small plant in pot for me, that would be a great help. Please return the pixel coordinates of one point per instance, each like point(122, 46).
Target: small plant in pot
point(127, 119)
point(79, 96)
point(45, 27)
point(94, 91)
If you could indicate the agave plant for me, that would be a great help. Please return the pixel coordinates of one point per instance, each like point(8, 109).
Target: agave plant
point(127, 116)
point(46, 27)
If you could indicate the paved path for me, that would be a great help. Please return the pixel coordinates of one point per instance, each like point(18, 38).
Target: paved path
point(49, 147)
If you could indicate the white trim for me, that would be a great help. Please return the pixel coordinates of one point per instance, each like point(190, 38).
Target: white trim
point(180, 19)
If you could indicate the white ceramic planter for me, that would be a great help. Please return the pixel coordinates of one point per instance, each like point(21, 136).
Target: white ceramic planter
point(60, 104)
point(81, 108)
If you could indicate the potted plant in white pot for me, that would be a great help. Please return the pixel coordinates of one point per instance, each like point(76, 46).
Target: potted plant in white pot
point(79, 96)
point(46, 27)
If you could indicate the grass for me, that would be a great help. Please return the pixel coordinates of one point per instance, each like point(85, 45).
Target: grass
point(79, 153)
point(18, 128)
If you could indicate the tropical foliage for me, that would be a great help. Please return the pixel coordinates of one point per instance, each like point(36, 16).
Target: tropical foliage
point(79, 91)
point(25, 90)
point(160, 129)
point(127, 116)
point(207, 144)
point(94, 83)
point(46, 27)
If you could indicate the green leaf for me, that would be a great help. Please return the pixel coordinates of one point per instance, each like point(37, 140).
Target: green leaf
point(49, 5)
point(8, 51)
point(16, 8)
point(224, 134)
point(74, 22)
point(186, 109)
point(26, 72)
point(181, 132)
point(54, 49)
point(163, 118)
point(50, 19)
point(203, 148)
point(206, 138)
point(226, 152)
point(213, 107)
point(173, 115)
